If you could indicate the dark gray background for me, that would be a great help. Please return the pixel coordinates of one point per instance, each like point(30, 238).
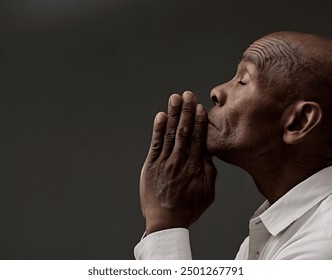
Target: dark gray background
point(80, 84)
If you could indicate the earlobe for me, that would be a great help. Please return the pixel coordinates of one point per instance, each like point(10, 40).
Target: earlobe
point(301, 119)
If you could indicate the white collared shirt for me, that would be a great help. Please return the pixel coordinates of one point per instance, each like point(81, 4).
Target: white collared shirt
point(297, 226)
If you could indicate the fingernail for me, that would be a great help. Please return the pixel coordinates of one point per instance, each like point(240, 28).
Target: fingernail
point(159, 117)
point(200, 108)
point(175, 100)
point(188, 96)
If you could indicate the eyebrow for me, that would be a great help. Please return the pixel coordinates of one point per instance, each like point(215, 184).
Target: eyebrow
point(254, 58)
point(250, 57)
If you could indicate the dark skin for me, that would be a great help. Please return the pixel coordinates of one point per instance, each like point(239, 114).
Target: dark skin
point(261, 121)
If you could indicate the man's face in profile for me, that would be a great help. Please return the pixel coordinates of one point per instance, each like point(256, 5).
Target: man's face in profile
point(246, 120)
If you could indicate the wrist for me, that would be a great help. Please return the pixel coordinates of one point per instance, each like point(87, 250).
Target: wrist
point(162, 222)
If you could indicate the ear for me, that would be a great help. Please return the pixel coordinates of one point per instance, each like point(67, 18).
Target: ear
point(302, 118)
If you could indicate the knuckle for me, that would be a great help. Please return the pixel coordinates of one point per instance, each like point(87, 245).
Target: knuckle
point(170, 135)
point(156, 146)
point(174, 111)
point(158, 129)
point(184, 132)
point(170, 168)
point(187, 108)
point(196, 137)
point(199, 121)
point(194, 167)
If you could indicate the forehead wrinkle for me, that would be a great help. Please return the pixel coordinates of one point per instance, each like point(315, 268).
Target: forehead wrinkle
point(254, 57)
point(251, 56)
point(274, 52)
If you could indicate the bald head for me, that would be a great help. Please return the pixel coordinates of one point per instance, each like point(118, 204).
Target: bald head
point(289, 47)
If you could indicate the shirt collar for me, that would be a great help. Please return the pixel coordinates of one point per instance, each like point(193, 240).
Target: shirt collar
point(295, 202)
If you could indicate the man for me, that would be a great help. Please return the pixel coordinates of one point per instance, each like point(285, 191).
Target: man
point(274, 119)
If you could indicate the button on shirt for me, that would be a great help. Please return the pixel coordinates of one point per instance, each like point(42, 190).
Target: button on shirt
point(297, 226)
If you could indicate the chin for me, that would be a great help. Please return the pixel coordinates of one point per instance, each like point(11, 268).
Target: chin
point(221, 149)
point(212, 145)
point(214, 148)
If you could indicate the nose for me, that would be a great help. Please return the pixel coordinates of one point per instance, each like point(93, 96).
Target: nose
point(218, 95)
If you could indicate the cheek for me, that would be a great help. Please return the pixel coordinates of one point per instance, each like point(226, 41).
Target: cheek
point(249, 119)
point(261, 126)
point(240, 111)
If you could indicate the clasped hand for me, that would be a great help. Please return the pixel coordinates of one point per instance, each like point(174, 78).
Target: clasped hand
point(178, 178)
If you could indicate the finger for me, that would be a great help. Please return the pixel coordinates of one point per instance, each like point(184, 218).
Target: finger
point(174, 112)
point(159, 126)
point(185, 126)
point(198, 137)
point(210, 173)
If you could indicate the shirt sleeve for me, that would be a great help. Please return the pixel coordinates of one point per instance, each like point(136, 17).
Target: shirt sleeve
point(169, 244)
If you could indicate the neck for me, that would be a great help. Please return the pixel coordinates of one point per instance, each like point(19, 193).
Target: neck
point(276, 177)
